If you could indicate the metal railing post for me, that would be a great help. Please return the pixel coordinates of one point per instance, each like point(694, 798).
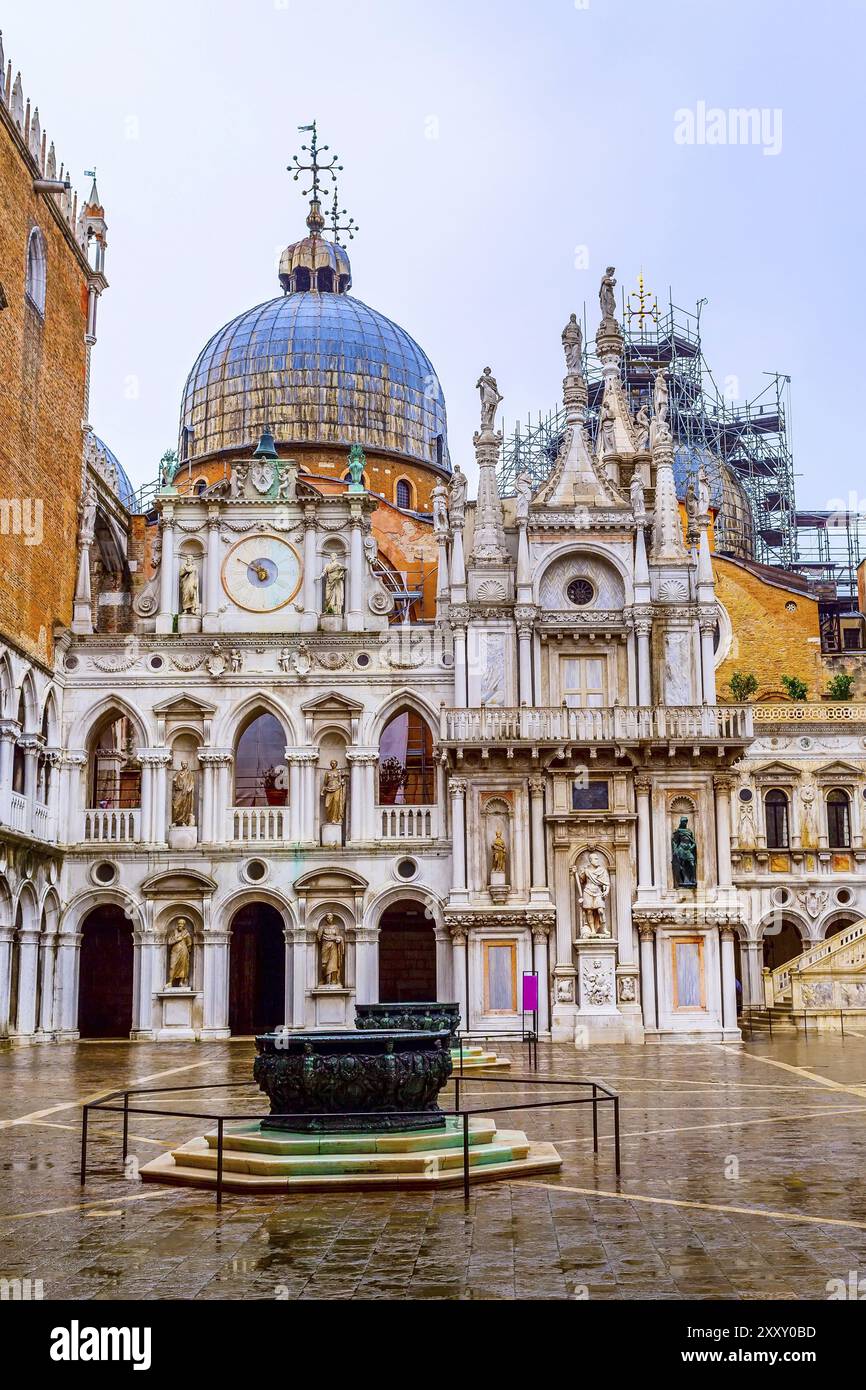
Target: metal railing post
point(616, 1132)
point(219, 1181)
point(85, 1110)
point(594, 1118)
point(125, 1125)
point(466, 1156)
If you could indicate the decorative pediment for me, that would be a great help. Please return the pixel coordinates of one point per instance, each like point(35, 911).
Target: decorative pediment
point(179, 883)
point(185, 706)
point(332, 702)
point(838, 771)
point(330, 882)
point(777, 772)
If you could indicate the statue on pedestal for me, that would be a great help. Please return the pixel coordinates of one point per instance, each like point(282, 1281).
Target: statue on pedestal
point(660, 397)
point(606, 295)
point(642, 428)
point(499, 854)
point(684, 855)
point(594, 883)
point(490, 398)
point(607, 420)
point(183, 795)
point(332, 951)
point(357, 460)
point(572, 346)
point(457, 495)
point(334, 575)
point(334, 791)
point(439, 498)
point(179, 941)
point(188, 586)
point(638, 500)
point(523, 499)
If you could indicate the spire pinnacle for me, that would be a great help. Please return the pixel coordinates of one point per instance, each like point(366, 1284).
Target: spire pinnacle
point(315, 168)
point(335, 226)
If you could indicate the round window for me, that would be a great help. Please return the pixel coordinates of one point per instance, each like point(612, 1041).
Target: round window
point(156, 663)
point(105, 872)
point(580, 592)
point(844, 896)
point(362, 659)
point(407, 868)
point(256, 870)
point(746, 794)
point(71, 663)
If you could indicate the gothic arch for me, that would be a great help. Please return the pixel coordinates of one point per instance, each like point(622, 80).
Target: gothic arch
point(31, 704)
point(232, 725)
point(7, 688)
point(28, 906)
point(83, 729)
point(49, 719)
point(397, 700)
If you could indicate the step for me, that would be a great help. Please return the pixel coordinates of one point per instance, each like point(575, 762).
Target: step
point(251, 1138)
point(501, 1163)
point(475, 1060)
point(509, 1145)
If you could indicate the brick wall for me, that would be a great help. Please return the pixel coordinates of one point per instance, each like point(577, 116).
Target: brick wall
point(42, 378)
point(775, 633)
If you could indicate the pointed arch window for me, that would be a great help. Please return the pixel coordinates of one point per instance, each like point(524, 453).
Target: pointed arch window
point(838, 819)
point(35, 274)
point(406, 771)
point(260, 763)
point(776, 813)
point(113, 766)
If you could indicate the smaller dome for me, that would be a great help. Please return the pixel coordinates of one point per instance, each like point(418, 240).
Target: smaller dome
point(314, 263)
point(109, 465)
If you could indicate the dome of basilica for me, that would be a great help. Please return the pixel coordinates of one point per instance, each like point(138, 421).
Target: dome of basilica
point(318, 366)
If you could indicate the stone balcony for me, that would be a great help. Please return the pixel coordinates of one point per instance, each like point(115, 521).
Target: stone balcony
point(810, 712)
point(621, 725)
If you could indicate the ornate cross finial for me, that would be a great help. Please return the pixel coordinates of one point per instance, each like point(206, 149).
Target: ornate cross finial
point(315, 168)
point(642, 305)
point(334, 223)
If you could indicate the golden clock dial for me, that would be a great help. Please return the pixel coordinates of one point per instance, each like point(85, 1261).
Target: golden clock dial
point(261, 573)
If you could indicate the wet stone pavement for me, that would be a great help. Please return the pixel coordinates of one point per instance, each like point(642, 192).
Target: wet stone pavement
point(742, 1178)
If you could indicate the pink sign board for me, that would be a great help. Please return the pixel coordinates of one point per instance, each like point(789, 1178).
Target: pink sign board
point(530, 993)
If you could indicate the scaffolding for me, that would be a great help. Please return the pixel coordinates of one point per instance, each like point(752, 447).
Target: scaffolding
point(743, 449)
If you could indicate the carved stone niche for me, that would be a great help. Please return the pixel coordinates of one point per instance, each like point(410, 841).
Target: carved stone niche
point(496, 821)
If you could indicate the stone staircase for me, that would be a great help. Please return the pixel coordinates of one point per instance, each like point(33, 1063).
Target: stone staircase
point(267, 1161)
point(477, 1058)
point(776, 1020)
point(827, 979)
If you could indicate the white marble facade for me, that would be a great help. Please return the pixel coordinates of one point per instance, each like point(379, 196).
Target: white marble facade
point(567, 685)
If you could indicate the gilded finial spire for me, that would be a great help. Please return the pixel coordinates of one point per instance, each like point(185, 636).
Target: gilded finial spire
point(642, 305)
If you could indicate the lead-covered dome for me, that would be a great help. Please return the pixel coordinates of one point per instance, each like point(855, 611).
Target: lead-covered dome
point(319, 367)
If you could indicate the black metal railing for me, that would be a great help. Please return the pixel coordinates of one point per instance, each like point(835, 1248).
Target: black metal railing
point(598, 1094)
point(527, 1038)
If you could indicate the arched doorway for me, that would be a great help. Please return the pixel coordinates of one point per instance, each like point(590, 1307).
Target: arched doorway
point(782, 946)
point(407, 954)
point(105, 974)
point(257, 970)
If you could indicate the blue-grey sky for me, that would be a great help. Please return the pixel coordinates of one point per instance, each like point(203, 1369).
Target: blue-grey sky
point(485, 144)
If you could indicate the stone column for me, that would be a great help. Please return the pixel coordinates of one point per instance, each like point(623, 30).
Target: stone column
point(147, 964)
point(9, 731)
point(31, 746)
point(647, 977)
point(708, 660)
point(524, 617)
point(623, 895)
point(82, 611)
point(752, 956)
point(165, 616)
point(723, 830)
point(309, 759)
point(643, 629)
point(366, 965)
point(644, 844)
point(210, 619)
point(460, 970)
point(541, 940)
point(355, 615)
point(461, 684)
point(73, 797)
point(357, 819)
point(294, 795)
point(457, 792)
point(729, 981)
point(161, 759)
point(536, 822)
point(147, 779)
point(444, 971)
point(45, 1022)
point(6, 934)
point(215, 984)
point(310, 620)
point(28, 959)
point(66, 987)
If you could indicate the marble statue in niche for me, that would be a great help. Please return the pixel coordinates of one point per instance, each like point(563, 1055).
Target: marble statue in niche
point(188, 586)
point(334, 792)
point(183, 795)
point(334, 575)
point(594, 885)
point(179, 942)
point(332, 951)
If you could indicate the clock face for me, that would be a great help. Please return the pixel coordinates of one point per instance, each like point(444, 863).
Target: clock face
point(261, 573)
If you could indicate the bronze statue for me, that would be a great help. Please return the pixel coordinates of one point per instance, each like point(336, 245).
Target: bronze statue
point(684, 855)
point(499, 854)
point(334, 788)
